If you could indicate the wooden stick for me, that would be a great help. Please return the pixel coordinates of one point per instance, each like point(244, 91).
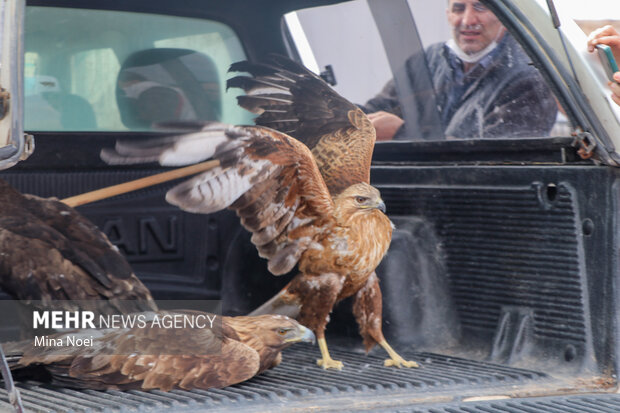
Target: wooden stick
point(141, 183)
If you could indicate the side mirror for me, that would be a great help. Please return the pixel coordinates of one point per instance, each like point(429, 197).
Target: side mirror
point(14, 145)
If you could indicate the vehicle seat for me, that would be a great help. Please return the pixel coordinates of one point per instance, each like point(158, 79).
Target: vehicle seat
point(165, 85)
point(48, 107)
point(76, 113)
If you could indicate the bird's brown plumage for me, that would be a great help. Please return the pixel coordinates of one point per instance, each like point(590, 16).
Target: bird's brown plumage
point(273, 183)
point(234, 350)
point(295, 101)
point(51, 252)
point(307, 204)
point(291, 99)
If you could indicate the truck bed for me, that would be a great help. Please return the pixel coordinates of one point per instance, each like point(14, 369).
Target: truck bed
point(441, 384)
point(485, 279)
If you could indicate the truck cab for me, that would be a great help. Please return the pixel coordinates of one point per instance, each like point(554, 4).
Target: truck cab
point(502, 276)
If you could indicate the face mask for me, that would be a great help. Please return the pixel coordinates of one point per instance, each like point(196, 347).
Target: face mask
point(471, 57)
point(476, 56)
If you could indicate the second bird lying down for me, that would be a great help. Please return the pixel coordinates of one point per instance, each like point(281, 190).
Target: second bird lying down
point(163, 358)
point(306, 199)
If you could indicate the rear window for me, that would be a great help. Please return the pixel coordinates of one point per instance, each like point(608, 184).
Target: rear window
point(94, 70)
point(447, 69)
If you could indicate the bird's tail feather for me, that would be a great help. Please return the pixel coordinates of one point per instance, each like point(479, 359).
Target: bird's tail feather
point(282, 303)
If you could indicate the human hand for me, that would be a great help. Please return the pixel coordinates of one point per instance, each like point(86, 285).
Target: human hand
point(609, 36)
point(386, 124)
point(605, 35)
point(615, 88)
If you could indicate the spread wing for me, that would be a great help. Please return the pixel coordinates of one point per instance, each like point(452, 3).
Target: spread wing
point(146, 358)
point(51, 252)
point(293, 100)
point(268, 178)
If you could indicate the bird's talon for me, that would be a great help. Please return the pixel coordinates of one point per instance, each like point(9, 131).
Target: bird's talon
point(400, 363)
point(330, 364)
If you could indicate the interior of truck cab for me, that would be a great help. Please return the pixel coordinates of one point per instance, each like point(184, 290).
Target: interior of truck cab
point(177, 61)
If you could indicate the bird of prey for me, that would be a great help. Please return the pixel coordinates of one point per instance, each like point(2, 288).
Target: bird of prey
point(291, 99)
point(51, 252)
point(306, 199)
point(235, 350)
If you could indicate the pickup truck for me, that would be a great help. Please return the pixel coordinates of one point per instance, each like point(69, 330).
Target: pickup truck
point(503, 276)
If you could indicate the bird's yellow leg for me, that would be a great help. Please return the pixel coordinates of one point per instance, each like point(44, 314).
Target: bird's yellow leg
point(395, 360)
point(327, 362)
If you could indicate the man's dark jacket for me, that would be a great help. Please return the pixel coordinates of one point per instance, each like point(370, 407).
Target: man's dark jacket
point(507, 97)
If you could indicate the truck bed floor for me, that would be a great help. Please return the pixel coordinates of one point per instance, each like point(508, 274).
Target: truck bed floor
point(364, 384)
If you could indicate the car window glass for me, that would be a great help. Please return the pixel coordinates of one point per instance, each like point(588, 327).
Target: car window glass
point(449, 69)
point(125, 71)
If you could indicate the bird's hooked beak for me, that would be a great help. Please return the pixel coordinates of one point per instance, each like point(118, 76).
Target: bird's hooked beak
point(304, 334)
point(381, 206)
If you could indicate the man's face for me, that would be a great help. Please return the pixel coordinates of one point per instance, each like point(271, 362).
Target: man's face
point(474, 27)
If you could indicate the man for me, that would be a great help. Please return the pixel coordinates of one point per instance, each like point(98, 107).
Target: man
point(484, 84)
point(609, 36)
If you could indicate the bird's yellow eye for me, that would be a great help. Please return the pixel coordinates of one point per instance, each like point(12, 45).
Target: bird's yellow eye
point(361, 199)
point(282, 331)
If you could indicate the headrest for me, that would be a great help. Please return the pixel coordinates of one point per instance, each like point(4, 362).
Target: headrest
point(167, 84)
